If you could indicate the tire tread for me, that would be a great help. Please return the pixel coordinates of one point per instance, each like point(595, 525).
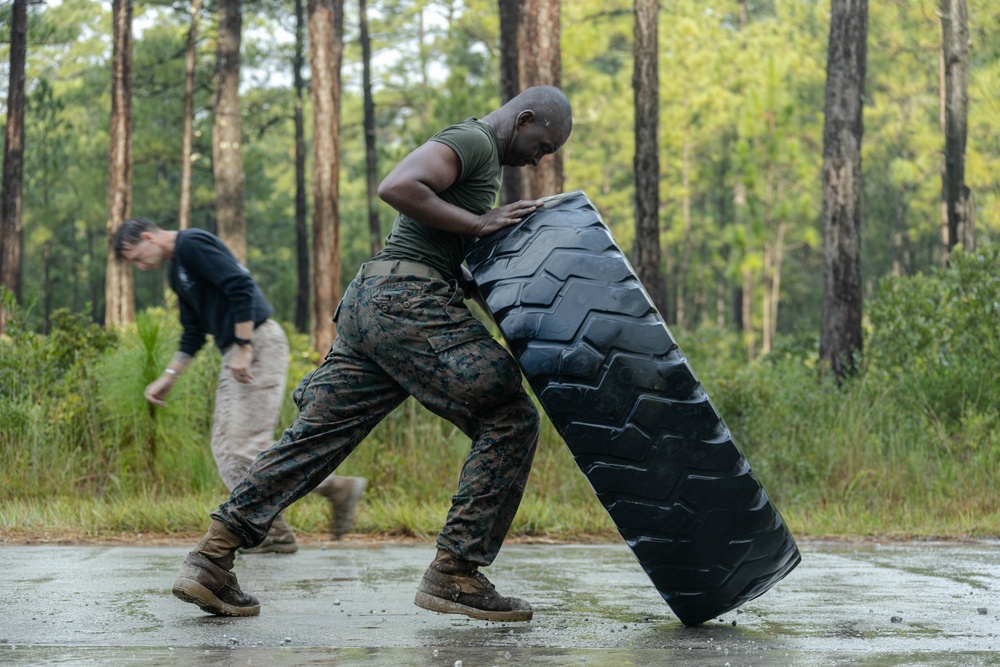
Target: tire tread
point(613, 381)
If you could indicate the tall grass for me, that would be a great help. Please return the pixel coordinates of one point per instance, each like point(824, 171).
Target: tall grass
point(909, 447)
point(865, 458)
point(87, 453)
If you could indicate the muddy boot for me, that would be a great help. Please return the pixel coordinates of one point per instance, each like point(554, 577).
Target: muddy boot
point(343, 494)
point(453, 586)
point(206, 579)
point(280, 540)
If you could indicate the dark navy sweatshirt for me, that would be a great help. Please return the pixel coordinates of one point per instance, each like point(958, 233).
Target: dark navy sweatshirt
point(213, 289)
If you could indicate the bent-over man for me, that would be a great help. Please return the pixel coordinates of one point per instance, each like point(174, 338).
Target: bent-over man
point(403, 329)
point(217, 296)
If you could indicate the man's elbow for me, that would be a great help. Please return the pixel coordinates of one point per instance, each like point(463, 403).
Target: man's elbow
point(402, 190)
point(388, 191)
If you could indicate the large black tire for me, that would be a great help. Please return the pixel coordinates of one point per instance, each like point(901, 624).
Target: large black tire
point(639, 424)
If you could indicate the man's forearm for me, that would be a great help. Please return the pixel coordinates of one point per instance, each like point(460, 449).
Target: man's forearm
point(417, 201)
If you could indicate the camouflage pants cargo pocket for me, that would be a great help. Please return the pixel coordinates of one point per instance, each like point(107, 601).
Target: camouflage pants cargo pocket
point(479, 371)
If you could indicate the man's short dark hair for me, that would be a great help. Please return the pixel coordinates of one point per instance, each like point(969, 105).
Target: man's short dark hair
point(130, 234)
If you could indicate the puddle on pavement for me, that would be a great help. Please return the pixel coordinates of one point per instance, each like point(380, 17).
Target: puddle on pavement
point(595, 602)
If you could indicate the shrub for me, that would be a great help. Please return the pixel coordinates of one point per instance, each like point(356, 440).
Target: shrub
point(937, 336)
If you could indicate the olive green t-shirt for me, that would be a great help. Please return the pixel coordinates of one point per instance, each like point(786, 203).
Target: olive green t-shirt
point(475, 190)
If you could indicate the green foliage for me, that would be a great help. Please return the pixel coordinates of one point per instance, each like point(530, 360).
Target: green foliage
point(45, 385)
point(84, 446)
point(907, 447)
point(36, 366)
point(937, 334)
point(743, 100)
point(145, 444)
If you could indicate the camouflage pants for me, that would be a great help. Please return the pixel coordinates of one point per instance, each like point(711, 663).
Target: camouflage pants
point(400, 336)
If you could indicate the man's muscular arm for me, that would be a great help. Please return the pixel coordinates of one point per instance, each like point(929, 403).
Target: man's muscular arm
point(412, 188)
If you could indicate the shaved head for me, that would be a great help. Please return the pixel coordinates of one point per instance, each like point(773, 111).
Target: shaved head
point(550, 105)
point(533, 124)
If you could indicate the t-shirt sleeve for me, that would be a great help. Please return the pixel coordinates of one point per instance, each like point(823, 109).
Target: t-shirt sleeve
point(473, 147)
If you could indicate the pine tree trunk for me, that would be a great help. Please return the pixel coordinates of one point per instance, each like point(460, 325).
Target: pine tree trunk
point(740, 307)
point(93, 283)
point(955, 52)
point(646, 164)
point(47, 287)
point(301, 231)
point(685, 263)
point(726, 216)
point(900, 237)
point(765, 327)
point(540, 64)
point(775, 301)
point(740, 318)
point(773, 251)
point(841, 336)
point(424, 57)
point(227, 158)
point(187, 133)
point(510, 83)
point(698, 298)
point(746, 314)
point(721, 290)
point(11, 232)
point(942, 104)
point(118, 288)
point(371, 156)
point(325, 54)
point(669, 283)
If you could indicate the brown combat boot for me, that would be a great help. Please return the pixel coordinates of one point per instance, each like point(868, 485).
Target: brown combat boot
point(343, 494)
point(206, 579)
point(453, 586)
point(280, 540)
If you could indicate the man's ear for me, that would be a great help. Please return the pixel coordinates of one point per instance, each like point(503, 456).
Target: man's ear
point(526, 117)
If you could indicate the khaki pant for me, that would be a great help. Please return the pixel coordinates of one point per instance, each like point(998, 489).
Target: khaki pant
point(246, 414)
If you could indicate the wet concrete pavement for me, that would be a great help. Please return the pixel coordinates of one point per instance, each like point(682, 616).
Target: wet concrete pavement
point(351, 605)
